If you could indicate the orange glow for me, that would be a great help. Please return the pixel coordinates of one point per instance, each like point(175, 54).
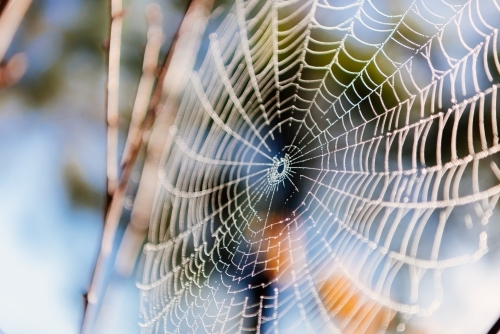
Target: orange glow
point(348, 307)
point(354, 312)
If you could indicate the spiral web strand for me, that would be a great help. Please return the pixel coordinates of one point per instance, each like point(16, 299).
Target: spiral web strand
point(323, 154)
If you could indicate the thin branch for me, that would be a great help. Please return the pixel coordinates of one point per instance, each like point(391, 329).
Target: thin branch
point(115, 37)
point(12, 13)
point(112, 95)
point(143, 98)
point(117, 193)
point(172, 83)
point(146, 83)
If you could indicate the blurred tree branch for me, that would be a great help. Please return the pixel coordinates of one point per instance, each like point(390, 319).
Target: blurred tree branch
point(144, 114)
point(112, 96)
point(160, 117)
point(11, 15)
point(112, 90)
point(133, 141)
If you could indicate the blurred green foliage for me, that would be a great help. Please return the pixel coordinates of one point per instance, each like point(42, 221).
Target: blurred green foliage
point(81, 193)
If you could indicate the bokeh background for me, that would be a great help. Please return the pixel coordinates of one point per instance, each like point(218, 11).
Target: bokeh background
point(52, 164)
point(52, 178)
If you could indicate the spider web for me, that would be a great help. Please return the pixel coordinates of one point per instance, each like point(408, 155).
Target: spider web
point(324, 158)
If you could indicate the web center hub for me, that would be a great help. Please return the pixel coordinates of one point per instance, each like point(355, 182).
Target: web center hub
point(279, 170)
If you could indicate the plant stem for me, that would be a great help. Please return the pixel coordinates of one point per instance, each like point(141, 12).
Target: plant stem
point(112, 198)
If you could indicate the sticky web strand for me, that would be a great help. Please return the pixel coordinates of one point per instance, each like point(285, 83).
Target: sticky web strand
point(322, 154)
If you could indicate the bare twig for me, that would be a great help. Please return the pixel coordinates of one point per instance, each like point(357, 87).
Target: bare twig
point(146, 84)
point(117, 193)
point(112, 95)
point(115, 37)
point(172, 83)
point(12, 13)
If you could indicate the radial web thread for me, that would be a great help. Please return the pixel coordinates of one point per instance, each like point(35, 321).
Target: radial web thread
point(323, 155)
